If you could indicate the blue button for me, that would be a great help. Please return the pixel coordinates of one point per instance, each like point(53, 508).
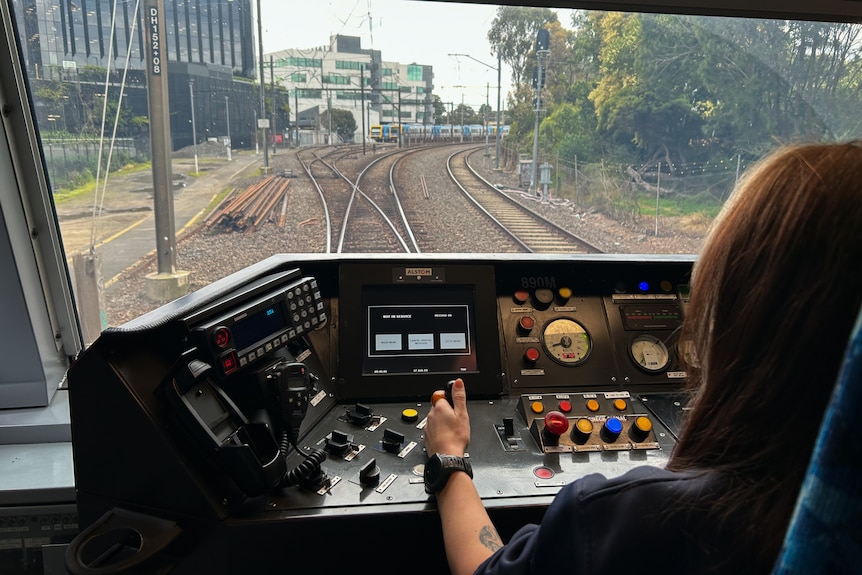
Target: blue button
point(614, 425)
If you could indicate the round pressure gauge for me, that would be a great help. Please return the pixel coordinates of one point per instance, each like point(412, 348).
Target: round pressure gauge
point(566, 341)
point(649, 353)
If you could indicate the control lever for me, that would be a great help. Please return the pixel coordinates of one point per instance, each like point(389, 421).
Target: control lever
point(447, 394)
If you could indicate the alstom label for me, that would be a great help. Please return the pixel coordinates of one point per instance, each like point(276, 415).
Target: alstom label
point(418, 272)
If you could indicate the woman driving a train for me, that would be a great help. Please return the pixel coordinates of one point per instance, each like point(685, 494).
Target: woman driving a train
point(774, 295)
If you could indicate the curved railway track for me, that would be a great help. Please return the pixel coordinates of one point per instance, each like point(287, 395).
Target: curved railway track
point(532, 231)
point(359, 220)
point(365, 211)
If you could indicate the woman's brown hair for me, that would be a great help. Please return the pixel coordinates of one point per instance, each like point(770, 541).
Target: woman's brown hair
point(774, 296)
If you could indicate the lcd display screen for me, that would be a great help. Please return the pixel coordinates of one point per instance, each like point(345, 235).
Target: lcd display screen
point(258, 326)
point(428, 330)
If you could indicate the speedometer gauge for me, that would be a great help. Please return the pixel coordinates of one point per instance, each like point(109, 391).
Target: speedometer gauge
point(649, 353)
point(566, 341)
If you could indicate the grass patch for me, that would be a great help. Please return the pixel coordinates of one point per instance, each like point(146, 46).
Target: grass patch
point(695, 206)
point(83, 182)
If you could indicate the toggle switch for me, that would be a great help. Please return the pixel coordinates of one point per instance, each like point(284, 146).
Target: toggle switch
point(360, 415)
point(509, 426)
point(339, 443)
point(392, 441)
point(369, 474)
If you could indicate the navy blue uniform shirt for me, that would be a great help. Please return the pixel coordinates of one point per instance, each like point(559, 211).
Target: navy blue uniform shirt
point(651, 520)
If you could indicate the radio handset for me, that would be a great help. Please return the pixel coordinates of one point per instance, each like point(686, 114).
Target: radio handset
point(245, 450)
point(291, 385)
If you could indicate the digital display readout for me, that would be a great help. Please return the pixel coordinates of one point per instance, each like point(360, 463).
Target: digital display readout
point(258, 326)
point(434, 333)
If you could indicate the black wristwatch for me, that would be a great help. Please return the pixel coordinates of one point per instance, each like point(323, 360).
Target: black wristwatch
point(439, 467)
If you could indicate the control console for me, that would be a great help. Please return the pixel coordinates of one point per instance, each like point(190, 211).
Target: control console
point(288, 401)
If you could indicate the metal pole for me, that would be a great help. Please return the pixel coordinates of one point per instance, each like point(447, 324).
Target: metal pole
point(227, 118)
point(499, 68)
point(487, 90)
point(541, 54)
point(194, 130)
point(262, 98)
point(160, 144)
point(272, 100)
point(362, 102)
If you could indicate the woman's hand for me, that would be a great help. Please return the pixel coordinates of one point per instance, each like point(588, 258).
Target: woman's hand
point(447, 430)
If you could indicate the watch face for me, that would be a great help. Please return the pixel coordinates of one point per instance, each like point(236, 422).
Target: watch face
point(432, 473)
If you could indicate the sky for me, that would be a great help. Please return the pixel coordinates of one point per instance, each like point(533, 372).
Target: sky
point(406, 32)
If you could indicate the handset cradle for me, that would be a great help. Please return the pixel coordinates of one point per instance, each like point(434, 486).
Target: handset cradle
point(245, 450)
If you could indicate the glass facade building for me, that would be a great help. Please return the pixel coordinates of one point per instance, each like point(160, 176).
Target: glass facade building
point(76, 33)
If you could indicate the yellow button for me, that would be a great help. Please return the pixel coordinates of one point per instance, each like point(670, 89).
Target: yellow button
point(593, 405)
point(585, 426)
point(537, 407)
point(565, 293)
point(643, 424)
point(620, 404)
point(409, 415)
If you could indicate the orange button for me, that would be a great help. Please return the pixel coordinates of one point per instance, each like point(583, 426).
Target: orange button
point(537, 407)
point(593, 405)
point(643, 424)
point(620, 404)
point(437, 395)
point(584, 425)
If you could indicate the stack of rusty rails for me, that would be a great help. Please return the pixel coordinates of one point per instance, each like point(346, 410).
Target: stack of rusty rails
point(251, 207)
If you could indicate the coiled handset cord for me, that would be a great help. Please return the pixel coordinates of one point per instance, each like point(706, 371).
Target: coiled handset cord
point(291, 384)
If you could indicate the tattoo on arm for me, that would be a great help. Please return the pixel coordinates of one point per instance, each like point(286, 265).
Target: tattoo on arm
point(489, 538)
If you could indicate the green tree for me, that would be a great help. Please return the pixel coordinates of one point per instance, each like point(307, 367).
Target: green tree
point(513, 36)
point(343, 123)
point(439, 110)
point(568, 132)
point(464, 115)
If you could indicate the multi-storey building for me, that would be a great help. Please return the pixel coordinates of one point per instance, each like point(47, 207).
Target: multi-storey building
point(77, 33)
point(343, 75)
point(209, 46)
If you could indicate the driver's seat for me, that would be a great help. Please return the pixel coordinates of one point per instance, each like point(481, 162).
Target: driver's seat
point(825, 533)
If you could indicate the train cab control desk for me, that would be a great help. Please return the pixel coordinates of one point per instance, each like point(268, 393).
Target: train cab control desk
point(275, 418)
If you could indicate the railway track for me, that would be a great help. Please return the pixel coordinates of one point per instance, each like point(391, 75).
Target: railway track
point(365, 211)
point(359, 220)
point(530, 230)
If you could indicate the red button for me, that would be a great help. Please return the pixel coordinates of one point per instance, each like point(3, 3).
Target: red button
point(228, 362)
point(526, 323)
point(565, 406)
point(543, 472)
point(221, 337)
point(531, 355)
point(556, 423)
point(521, 296)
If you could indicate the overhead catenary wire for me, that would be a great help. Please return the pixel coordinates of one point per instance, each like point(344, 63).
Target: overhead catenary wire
point(99, 200)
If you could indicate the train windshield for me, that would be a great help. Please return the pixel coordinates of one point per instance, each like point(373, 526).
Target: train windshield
point(190, 139)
